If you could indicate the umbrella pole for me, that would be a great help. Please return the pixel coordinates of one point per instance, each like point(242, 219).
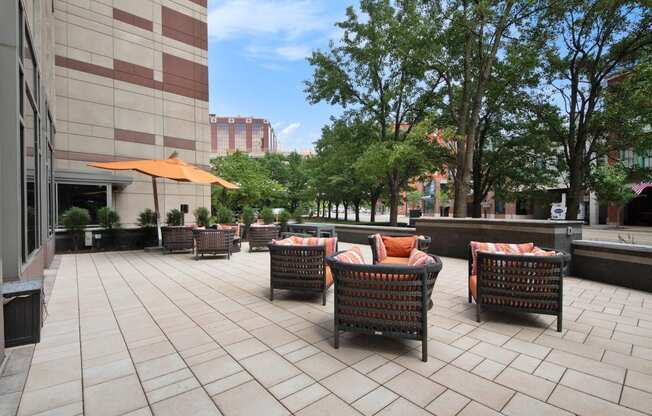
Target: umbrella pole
point(158, 220)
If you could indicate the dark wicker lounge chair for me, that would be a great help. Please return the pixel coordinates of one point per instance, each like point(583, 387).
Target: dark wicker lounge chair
point(177, 238)
point(299, 268)
point(260, 236)
point(516, 282)
point(423, 243)
point(237, 238)
point(383, 299)
point(214, 243)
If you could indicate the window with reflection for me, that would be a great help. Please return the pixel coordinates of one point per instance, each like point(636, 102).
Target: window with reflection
point(90, 197)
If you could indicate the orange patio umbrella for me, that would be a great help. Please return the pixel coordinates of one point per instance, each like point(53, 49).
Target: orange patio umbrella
point(171, 168)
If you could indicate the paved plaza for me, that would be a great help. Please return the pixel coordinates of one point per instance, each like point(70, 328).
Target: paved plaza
point(134, 333)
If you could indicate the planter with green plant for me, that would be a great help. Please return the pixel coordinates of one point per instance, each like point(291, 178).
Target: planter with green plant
point(147, 223)
point(267, 215)
point(109, 220)
point(248, 218)
point(174, 218)
point(224, 216)
point(202, 217)
point(75, 220)
point(283, 219)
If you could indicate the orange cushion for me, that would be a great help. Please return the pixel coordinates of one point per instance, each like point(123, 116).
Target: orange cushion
point(399, 246)
point(499, 248)
point(473, 285)
point(329, 276)
point(353, 255)
point(395, 260)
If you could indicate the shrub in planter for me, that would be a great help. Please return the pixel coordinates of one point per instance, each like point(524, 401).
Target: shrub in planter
point(75, 221)
point(110, 221)
point(224, 216)
point(175, 217)
point(202, 217)
point(283, 219)
point(248, 218)
point(298, 214)
point(147, 222)
point(267, 215)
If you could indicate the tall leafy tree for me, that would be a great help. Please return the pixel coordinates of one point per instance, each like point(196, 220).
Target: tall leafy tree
point(597, 40)
point(477, 37)
point(376, 69)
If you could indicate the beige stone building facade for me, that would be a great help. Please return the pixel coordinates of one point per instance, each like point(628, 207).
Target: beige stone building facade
point(131, 83)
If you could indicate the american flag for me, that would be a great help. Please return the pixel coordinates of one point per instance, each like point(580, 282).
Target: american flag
point(640, 187)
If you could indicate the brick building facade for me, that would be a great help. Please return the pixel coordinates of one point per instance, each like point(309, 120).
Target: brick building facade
point(254, 136)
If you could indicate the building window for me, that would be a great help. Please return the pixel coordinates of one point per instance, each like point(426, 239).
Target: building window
point(240, 137)
point(222, 137)
point(90, 197)
point(29, 130)
point(49, 166)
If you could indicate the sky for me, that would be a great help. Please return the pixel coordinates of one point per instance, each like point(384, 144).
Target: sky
point(257, 52)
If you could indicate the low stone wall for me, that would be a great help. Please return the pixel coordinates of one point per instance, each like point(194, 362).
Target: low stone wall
point(619, 264)
point(451, 236)
point(357, 234)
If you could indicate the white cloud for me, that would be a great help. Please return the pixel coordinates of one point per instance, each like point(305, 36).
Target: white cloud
point(245, 18)
point(293, 52)
point(289, 130)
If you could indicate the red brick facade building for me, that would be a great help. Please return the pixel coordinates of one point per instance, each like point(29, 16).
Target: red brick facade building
point(254, 136)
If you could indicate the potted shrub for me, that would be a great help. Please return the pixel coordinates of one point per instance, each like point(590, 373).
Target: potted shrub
point(147, 222)
point(174, 217)
point(248, 218)
point(202, 217)
point(110, 221)
point(283, 219)
point(75, 220)
point(224, 216)
point(267, 215)
point(297, 215)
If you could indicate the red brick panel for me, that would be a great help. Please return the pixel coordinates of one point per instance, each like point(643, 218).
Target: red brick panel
point(231, 136)
point(133, 136)
point(183, 28)
point(214, 137)
point(179, 143)
point(248, 138)
point(203, 3)
point(184, 77)
point(135, 74)
point(132, 19)
point(265, 139)
point(83, 66)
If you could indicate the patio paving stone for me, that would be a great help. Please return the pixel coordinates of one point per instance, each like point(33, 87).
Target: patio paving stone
point(138, 334)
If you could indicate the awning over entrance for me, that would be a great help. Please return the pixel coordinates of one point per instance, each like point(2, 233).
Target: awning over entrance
point(640, 187)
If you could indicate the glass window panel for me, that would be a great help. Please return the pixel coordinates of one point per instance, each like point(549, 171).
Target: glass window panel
point(30, 179)
point(90, 197)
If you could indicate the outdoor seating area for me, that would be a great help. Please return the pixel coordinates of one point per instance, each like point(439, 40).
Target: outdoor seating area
point(145, 333)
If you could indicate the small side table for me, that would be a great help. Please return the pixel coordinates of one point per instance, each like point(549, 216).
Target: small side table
point(23, 311)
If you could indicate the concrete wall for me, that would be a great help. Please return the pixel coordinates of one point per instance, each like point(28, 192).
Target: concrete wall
point(357, 234)
point(132, 83)
point(619, 264)
point(451, 236)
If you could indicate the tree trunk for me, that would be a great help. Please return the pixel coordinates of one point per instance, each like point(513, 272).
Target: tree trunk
point(337, 210)
point(393, 201)
point(461, 190)
point(318, 207)
point(575, 191)
point(330, 209)
point(346, 211)
point(372, 213)
point(357, 211)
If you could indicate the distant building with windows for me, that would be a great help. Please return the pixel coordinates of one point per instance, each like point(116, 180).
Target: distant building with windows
point(254, 136)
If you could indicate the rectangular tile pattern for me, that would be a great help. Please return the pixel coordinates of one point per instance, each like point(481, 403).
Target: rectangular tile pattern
point(134, 332)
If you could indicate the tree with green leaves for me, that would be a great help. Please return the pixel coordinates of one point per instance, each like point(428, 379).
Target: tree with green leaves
point(376, 70)
point(465, 53)
point(598, 39)
point(611, 185)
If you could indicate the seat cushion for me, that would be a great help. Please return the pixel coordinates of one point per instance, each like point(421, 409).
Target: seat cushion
point(328, 275)
point(473, 285)
point(399, 246)
point(499, 248)
point(395, 260)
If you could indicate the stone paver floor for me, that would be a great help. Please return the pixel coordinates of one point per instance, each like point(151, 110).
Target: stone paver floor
point(134, 333)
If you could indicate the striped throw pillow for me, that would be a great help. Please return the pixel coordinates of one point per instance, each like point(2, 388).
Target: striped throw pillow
point(352, 255)
point(419, 258)
point(501, 248)
point(381, 251)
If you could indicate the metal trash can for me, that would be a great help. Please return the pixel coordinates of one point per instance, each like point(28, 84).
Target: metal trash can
point(23, 312)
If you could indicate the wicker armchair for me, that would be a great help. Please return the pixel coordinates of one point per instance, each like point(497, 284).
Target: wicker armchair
point(383, 299)
point(260, 236)
point(177, 238)
point(423, 243)
point(214, 243)
point(237, 238)
point(516, 282)
point(299, 268)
